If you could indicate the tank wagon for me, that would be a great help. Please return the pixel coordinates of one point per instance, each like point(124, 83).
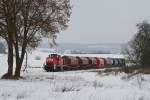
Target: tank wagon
point(55, 62)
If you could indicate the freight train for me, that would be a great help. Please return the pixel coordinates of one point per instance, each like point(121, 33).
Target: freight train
point(55, 62)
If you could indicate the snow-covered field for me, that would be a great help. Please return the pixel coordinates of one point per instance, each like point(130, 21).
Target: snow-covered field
point(71, 85)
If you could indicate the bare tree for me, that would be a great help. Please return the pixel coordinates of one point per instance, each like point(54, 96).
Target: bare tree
point(7, 31)
point(28, 22)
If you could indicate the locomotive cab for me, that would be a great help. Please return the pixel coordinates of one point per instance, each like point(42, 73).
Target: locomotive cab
point(51, 62)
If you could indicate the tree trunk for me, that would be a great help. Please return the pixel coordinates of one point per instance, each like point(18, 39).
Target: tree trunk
point(18, 67)
point(9, 74)
point(19, 61)
point(10, 59)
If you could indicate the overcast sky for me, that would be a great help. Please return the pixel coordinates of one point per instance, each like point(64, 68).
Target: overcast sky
point(104, 21)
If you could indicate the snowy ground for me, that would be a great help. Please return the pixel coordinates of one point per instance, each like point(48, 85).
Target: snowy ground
point(72, 85)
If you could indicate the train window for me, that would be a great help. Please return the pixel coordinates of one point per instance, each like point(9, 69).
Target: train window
point(53, 55)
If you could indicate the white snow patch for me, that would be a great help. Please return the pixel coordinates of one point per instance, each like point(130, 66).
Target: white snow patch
point(70, 85)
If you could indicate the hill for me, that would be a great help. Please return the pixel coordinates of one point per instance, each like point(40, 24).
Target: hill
point(99, 48)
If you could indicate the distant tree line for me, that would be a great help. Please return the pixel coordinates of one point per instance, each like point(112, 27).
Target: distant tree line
point(90, 52)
